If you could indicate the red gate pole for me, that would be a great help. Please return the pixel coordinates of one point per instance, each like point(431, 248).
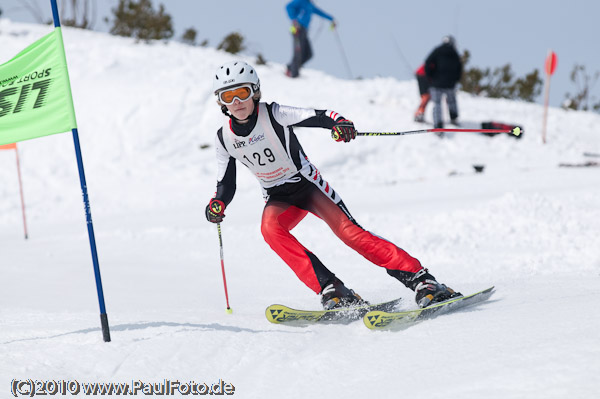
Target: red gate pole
point(549, 67)
point(21, 191)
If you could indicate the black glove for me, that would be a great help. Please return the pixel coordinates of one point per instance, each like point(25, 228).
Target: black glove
point(343, 130)
point(215, 211)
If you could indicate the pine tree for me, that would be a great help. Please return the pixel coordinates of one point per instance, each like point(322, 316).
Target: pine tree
point(582, 99)
point(232, 43)
point(189, 36)
point(500, 82)
point(138, 19)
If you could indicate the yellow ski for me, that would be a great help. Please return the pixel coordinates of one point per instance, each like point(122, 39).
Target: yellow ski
point(380, 320)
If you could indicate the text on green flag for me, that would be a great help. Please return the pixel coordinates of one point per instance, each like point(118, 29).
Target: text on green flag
point(35, 93)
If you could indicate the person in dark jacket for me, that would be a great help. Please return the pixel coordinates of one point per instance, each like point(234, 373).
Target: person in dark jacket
point(444, 69)
point(300, 12)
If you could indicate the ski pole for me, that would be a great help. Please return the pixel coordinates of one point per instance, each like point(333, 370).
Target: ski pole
point(516, 131)
point(339, 40)
point(406, 63)
point(229, 310)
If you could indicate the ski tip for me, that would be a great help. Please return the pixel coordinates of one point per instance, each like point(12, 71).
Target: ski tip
point(491, 289)
point(274, 313)
point(271, 316)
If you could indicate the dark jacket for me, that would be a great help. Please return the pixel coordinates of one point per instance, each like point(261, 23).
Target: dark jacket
point(443, 67)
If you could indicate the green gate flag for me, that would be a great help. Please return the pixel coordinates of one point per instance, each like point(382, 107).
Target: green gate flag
point(35, 93)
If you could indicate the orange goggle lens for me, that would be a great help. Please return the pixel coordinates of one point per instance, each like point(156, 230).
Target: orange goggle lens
point(241, 93)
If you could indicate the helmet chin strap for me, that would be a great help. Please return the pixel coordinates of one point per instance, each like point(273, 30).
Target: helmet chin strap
point(225, 111)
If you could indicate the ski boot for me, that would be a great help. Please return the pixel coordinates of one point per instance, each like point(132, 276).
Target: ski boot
point(337, 295)
point(439, 125)
point(429, 291)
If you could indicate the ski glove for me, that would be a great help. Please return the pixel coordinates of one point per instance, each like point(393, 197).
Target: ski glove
point(343, 130)
point(294, 27)
point(215, 211)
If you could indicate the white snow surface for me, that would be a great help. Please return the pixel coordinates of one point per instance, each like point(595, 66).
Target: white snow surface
point(524, 225)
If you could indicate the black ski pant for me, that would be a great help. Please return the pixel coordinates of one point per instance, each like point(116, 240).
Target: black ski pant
point(302, 51)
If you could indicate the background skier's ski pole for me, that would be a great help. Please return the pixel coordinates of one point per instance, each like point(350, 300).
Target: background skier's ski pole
point(229, 310)
point(516, 131)
point(339, 40)
point(409, 68)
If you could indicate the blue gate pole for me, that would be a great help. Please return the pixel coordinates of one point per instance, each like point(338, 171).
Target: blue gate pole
point(88, 213)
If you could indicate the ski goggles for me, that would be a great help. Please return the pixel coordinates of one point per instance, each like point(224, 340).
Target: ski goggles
point(242, 93)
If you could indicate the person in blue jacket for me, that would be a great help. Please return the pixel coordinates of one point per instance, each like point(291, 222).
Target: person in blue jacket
point(300, 12)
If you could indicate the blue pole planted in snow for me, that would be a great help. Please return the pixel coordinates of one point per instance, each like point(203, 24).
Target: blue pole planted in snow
point(88, 213)
point(90, 227)
point(55, 16)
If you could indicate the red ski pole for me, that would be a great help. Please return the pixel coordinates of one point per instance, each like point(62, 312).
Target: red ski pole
point(229, 310)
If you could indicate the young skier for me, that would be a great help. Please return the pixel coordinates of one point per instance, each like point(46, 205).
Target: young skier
point(261, 137)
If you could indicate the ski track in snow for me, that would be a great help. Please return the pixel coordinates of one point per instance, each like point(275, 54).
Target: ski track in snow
point(524, 225)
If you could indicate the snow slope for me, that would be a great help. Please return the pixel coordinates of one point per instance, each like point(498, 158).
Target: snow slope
point(525, 225)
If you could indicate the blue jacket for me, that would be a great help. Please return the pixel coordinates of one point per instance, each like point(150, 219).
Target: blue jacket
point(302, 10)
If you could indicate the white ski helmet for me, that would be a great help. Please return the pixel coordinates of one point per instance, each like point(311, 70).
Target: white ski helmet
point(235, 73)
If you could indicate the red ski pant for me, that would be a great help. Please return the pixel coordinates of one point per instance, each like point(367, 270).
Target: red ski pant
point(424, 101)
point(279, 217)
